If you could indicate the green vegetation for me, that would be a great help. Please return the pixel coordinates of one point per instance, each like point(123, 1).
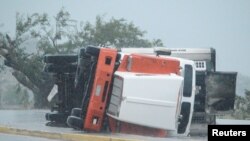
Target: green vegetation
point(242, 106)
point(16, 96)
point(57, 35)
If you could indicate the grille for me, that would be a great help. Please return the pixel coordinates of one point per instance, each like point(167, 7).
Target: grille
point(116, 97)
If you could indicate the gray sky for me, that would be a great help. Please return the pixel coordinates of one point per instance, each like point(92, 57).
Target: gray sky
point(221, 24)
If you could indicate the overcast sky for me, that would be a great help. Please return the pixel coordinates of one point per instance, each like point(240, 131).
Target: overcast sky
point(221, 24)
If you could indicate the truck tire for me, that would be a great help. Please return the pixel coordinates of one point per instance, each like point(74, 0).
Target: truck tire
point(56, 117)
point(118, 57)
point(92, 50)
point(75, 122)
point(76, 112)
point(79, 79)
point(83, 54)
point(51, 68)
point(60, 59)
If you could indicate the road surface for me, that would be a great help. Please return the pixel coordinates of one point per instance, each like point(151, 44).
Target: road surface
point(9, 137)
point(35, 120)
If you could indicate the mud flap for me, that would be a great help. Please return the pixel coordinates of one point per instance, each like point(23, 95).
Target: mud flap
point(52, 93)
point(220, 92)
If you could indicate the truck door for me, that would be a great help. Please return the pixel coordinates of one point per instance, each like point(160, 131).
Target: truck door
point(220, 91)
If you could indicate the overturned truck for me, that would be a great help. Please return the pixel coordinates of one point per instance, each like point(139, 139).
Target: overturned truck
point(140, 91)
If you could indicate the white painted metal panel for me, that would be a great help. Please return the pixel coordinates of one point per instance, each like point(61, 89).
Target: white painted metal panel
point(149, 100)
point(196, 54)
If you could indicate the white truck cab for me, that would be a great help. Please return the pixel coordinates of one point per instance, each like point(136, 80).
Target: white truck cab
point(162, 101)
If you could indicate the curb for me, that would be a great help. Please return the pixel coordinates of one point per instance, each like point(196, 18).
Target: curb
point(60, 136)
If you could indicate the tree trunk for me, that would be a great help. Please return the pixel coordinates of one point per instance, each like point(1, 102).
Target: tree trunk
point(28, 72)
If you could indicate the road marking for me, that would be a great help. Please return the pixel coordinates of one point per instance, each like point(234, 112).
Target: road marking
point(60, 136)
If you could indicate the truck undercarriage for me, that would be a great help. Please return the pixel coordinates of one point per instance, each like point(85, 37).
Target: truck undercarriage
point(98, 91)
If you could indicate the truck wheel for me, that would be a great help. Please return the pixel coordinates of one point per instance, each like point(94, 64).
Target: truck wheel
point(75, 122)
point(56, 124)
point(79, 80)
point(83, 54)
point(92, 50)
point(76, 112)
point(118, 57)
point(51, 68)
point(60, 59)
point(56, 117)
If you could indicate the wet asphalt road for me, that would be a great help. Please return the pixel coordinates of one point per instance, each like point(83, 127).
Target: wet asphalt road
point(35, 120)
point(29, 119)
point(8, 137)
